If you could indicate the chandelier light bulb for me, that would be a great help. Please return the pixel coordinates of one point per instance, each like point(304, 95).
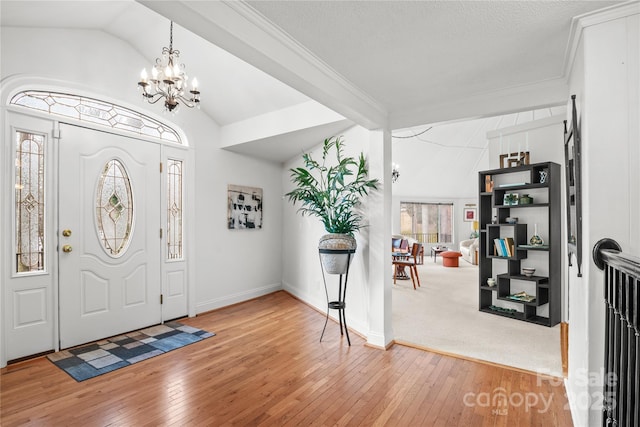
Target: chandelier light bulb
point(169, 81)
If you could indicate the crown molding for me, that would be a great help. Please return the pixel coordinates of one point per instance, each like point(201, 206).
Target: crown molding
point(580, 22)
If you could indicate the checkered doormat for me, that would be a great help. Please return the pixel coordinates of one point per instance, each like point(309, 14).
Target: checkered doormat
point(107, 355)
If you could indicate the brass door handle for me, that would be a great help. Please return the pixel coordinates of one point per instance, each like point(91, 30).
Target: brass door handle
point(67, 248)
point(66, 233)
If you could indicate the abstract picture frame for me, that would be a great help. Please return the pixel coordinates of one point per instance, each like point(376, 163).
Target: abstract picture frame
point(244, 207)
point(469, 214)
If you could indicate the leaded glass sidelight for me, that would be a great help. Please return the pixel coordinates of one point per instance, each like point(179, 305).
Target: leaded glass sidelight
point(174, 209)
point(114, 208)
point(30, 213)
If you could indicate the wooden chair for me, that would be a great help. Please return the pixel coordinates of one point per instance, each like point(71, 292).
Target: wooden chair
point(409, 261)
point(420, 257)
point(404, 245)
point(395, 244)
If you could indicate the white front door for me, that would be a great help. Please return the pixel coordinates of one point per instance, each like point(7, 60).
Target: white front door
point(109, 234)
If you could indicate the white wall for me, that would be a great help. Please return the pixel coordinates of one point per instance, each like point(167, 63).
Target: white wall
point(605, 77)
point(235, 265)
point(578, 313)
point(226, 266)
point(544, 139)
point(302, 275)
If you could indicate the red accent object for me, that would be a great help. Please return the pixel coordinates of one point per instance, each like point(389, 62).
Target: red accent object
point(450, 258)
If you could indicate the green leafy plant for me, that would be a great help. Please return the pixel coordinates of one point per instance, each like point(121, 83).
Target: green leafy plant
point(332, 193)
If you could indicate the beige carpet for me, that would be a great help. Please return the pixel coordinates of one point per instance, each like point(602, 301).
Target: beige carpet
point(443, 315)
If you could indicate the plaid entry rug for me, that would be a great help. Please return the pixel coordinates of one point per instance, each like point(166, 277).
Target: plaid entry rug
point(107, 355)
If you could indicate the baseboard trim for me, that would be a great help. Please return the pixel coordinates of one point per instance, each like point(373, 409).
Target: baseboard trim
point(240, 297)
point(473, 359)
point(377, 347)
point(324, 313)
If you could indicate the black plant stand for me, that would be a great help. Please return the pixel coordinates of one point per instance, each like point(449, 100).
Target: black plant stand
point(342, 291)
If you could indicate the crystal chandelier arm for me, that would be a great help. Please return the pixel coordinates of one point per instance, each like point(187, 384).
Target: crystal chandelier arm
point(155, 90)
point(189, 102)
point(152, 99)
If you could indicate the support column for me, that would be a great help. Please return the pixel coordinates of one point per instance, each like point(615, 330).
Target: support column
point(380, 332)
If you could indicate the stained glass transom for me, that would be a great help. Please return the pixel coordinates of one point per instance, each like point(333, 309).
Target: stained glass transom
point(95, 111)
point(174, 209)
point(30, 208)
point(114, 208)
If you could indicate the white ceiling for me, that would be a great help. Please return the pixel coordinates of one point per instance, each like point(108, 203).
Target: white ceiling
point(377, 63)
point(405, 54)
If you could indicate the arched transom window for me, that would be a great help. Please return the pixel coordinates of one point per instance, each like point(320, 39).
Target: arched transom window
point(95, 111)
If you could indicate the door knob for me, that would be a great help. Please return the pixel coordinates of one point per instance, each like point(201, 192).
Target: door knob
point(66, 233)
point(67, 248)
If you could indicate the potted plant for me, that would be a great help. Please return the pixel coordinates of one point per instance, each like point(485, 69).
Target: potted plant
point(332, 190)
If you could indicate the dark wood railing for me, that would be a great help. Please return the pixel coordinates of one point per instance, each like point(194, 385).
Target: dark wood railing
point(621, 404)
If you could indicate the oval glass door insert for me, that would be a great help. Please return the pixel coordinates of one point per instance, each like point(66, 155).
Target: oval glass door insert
point(114, 208)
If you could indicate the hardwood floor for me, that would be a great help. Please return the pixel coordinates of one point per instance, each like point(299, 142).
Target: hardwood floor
point(266, 367)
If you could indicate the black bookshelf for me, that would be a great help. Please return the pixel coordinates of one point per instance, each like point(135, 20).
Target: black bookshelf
point(492, 205)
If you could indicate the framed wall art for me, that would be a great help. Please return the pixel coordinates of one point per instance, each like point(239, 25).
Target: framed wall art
point(244, 207)
point(469, 214)
point(573, 184)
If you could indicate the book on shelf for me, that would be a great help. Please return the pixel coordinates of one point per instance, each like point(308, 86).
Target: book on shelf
point(504, 247)
point(510, 246)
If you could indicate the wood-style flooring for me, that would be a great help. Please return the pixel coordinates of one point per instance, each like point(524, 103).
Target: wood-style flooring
point(266, 367)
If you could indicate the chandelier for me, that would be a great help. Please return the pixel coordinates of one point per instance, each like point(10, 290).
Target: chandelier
point(395, 172)
point(168, 80)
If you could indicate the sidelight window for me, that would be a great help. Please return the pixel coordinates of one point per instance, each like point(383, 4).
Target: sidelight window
point(174, 209)
point(29, 199)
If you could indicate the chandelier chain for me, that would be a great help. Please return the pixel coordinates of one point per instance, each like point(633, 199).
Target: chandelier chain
point(171, 37)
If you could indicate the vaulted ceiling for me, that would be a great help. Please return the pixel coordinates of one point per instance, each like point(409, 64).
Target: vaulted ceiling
point(394, 64)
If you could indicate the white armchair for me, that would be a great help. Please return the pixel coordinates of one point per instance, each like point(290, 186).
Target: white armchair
point(468, 249)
